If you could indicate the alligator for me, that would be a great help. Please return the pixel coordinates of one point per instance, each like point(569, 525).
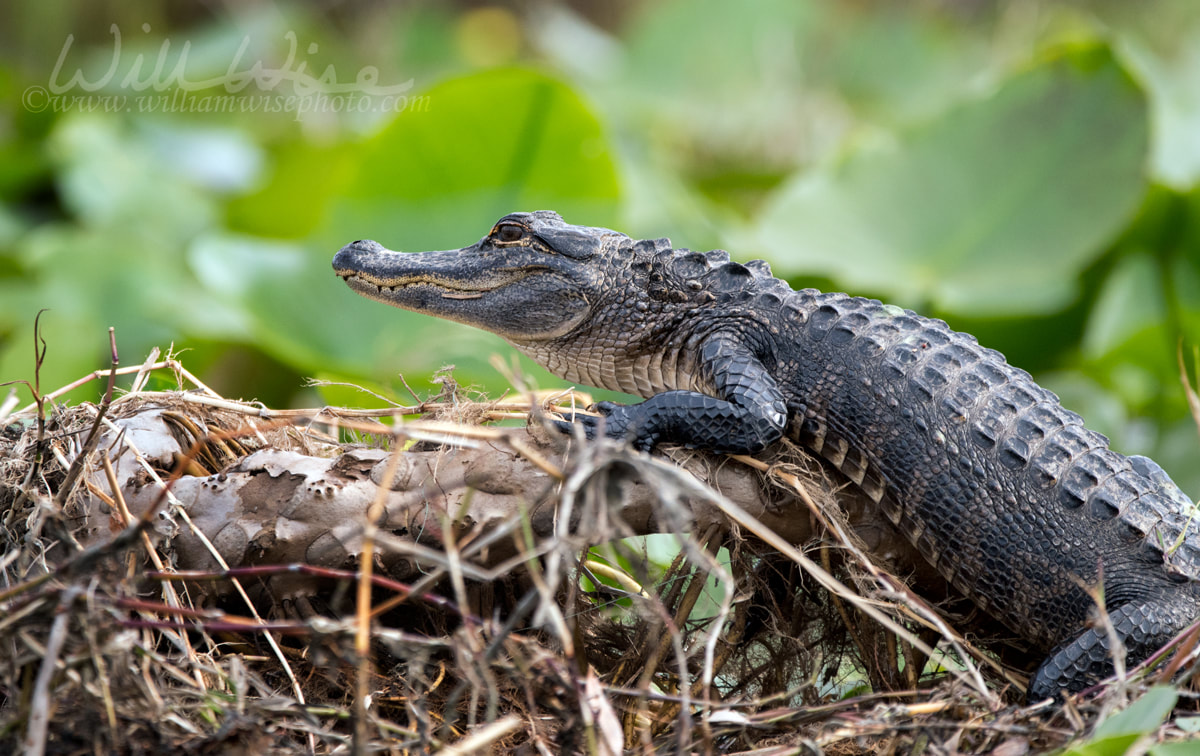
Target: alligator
point(1000, 488)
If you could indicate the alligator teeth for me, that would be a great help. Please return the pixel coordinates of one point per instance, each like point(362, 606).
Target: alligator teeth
point(462, 295)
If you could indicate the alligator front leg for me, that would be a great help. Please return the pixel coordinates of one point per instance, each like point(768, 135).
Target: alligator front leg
point(746, 413)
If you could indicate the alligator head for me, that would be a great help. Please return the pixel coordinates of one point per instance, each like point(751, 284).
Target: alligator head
point(589, 304)
point(532, 278)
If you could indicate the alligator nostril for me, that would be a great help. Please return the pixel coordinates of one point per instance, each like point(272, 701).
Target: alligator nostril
point(361, 246)
point(351, 256)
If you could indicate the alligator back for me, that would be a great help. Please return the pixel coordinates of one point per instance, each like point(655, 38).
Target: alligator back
point(998, 485)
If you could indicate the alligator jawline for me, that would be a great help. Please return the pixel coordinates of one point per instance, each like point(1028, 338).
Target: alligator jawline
point(447, 290)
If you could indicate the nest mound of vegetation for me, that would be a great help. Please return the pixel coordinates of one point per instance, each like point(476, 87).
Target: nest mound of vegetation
point(186, 572)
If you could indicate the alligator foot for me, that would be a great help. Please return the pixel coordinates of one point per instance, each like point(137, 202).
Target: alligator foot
point(614, 421)
point(1143, 628)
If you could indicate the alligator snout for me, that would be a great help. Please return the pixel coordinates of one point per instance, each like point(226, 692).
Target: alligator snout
point(347, 256)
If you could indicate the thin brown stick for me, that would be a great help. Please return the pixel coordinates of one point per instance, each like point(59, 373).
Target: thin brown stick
point(77, 465)
point(39, 704)
point(362, 616)
point(94, 375)
point(172, 597)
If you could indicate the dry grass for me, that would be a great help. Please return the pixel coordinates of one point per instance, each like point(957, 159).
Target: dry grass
point(747, 642)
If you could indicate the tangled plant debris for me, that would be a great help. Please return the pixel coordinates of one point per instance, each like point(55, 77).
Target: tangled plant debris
point(225, 576)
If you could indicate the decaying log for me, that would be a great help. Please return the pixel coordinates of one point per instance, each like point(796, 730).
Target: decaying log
point(281, 506)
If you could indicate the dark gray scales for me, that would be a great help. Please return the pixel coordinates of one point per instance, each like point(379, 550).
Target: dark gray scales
point(1006, 492)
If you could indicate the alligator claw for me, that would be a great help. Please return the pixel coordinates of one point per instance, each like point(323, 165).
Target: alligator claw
point(587, 423)
point(614, 418)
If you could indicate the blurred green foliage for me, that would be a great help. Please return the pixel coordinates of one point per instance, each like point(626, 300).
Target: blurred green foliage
point(1118, 732)
point(1026, 170)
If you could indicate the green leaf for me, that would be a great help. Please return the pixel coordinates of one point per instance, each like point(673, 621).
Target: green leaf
point(896, 62)
point(1143, 715)
point(1171, 74)
point(1188, 724)
point(1130, 301)
point(996, 207)
point(471, 150)
point(108, 176)
point(1185, 748)
point(1146, 306)
point(114, 262)
point(670, 70)
point(293, 202)
point(1114, 746)
point(90, 279)
point(1115, 735)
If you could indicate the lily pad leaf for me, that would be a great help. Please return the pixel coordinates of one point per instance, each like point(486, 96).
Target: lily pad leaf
point(993, 208)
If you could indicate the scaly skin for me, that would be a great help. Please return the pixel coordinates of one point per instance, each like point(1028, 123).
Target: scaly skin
point(999, 487)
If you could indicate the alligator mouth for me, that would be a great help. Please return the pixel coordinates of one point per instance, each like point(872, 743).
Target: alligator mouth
point(447, 289)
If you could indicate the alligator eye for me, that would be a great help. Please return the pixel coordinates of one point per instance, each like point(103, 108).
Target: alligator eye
point(509, 232)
